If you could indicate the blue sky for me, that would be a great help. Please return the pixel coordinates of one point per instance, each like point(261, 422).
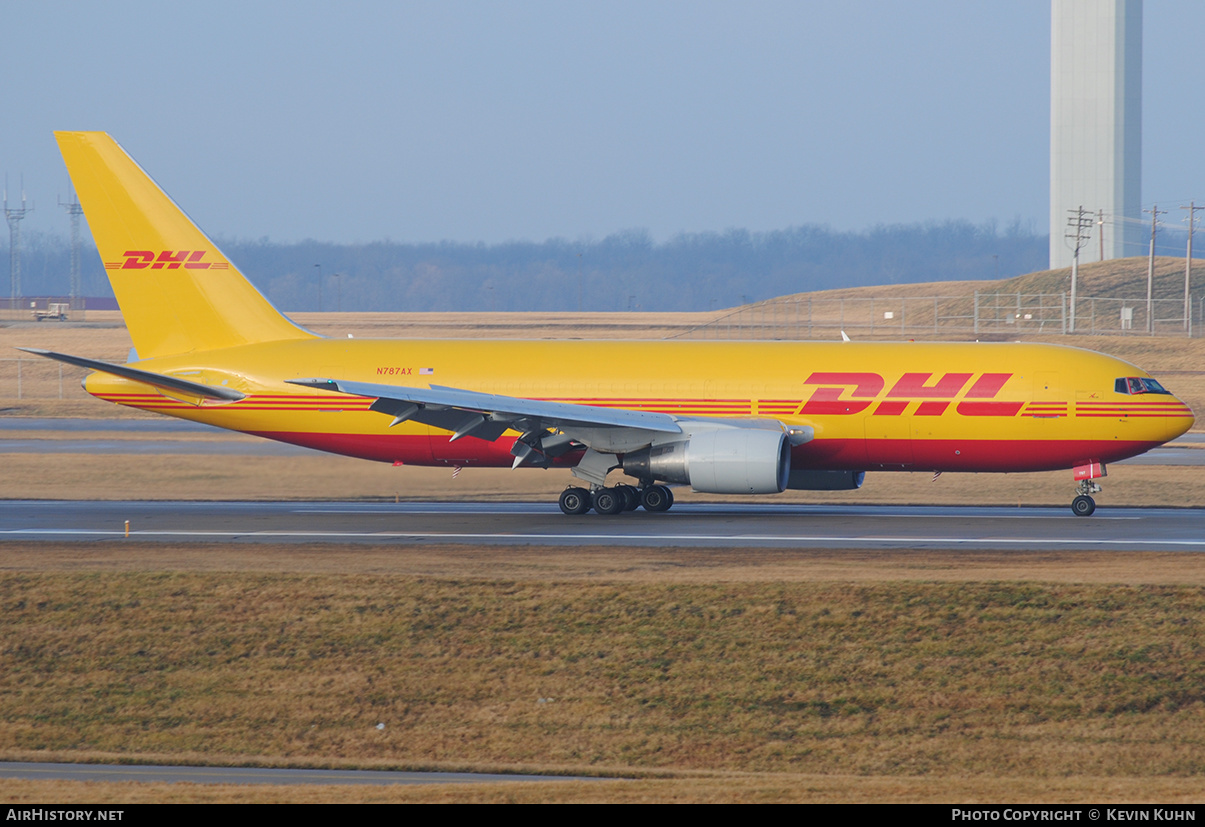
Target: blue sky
point(489, 121)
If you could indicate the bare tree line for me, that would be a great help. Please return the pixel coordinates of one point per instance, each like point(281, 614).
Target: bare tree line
point(627, 270)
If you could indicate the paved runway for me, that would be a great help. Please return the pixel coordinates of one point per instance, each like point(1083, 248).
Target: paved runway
point(258, 448)
point(695, 525)
point(162, 424)
point(753, 524)
point(135, 436)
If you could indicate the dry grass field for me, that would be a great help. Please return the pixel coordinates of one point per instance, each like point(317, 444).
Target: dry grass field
point(683, 788)
point(696, 675)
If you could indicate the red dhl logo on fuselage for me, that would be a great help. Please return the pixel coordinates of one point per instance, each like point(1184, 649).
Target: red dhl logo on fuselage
point(934, 396)
point(850, 393)
point(165, 260)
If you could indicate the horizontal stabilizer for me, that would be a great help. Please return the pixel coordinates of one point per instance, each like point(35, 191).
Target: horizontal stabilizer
point(157, 380)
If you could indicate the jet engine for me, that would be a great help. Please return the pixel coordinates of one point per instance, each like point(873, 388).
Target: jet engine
point(718, 461)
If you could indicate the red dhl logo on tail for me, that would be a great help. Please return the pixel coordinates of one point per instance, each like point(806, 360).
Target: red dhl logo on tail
point(165, 260)
point(934, 396)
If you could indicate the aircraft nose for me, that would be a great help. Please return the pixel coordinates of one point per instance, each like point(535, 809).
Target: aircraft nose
point(1176, 420)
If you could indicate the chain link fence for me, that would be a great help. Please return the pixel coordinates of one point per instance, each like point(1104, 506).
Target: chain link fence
point(952, 317)
point(32, 377)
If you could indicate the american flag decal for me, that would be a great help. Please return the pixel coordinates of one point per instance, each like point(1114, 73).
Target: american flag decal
point(425, 371)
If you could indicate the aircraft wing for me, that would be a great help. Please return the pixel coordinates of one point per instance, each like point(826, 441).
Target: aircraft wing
point(548, 429)
point(488, 416)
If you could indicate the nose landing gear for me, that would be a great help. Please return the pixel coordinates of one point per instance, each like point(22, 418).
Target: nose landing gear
point(1083, 505)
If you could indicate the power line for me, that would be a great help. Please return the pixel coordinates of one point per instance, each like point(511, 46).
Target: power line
point(1150, 269)
point(1192, 212)
point(1079, 226)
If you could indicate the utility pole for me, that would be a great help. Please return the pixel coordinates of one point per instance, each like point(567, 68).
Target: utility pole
point(14, 217)
point(1192, 210)
point(74, 210)
point(1078, 226)
point(319, 266)
point(1150, 269)
point(1100, 223)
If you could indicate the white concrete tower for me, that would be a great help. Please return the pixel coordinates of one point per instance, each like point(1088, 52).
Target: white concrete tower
point(1096, 124)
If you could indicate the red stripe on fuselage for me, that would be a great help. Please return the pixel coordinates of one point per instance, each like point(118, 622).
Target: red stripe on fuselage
point(984, 455)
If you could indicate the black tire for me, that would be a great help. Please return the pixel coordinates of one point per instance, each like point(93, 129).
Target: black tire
point(575, 501)
point(656, 498)
point(1083, 506)
point(608, 501)
point(631, 496)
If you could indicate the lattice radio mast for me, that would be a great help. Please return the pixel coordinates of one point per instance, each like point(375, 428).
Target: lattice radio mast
point(14, 216)
point(74, 210)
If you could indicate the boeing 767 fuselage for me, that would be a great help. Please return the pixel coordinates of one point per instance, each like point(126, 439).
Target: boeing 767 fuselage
point(721, 417)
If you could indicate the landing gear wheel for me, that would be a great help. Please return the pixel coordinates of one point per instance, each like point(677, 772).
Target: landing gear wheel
point(657, 498)
point(608, 501)
point(631, 496)
point(575, 501)
point(1083, 506)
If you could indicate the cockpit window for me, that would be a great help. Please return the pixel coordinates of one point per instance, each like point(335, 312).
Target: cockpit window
point(1138, 384)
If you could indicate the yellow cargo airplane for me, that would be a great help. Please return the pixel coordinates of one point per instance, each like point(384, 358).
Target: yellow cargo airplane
point(721, 417)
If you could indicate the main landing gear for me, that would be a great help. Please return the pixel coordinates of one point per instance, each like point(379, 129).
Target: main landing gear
point(619, 498)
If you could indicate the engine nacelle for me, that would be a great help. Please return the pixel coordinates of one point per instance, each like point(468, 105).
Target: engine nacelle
point(718, 461)
point(807, 480)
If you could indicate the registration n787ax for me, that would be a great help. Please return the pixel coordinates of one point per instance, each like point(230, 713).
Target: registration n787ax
point(720, 417)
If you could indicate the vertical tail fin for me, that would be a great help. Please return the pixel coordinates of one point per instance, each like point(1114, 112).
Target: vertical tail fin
point(177, 292)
